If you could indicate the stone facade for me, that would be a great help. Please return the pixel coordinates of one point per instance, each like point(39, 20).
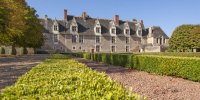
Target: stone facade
point(86, 34)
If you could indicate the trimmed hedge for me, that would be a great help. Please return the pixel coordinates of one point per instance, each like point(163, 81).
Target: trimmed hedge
point(177, 54)
point(184, 67)
point(60, 78)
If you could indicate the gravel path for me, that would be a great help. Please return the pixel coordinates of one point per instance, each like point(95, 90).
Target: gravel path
point(152, 86)
point(13, 67)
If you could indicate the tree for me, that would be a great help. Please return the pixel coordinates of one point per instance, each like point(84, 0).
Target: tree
point(16, 21)
point(185, 37)
point(33, 36)
point(19, 24)
point(3, 22)
point(195, 37)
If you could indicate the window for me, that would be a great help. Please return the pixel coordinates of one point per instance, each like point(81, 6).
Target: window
point(160, 40)
point(112, 48)
point(98, 30)
point(163, 40)
point(97, 48)
point(97, 39)
point(81, 39)
point(113, 40)
point(74, 38)
point(80, 48)
point(74, 48)
point(74, 29)
point(127, 48)
point(55, 37)
point(157, 40)
point(127, 40)
point(55, 27)
point(113, 30)
point(127, 31)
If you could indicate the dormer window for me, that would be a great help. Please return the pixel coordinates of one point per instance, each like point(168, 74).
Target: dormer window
point(113, 30)
point(55, 27)
point(98, 30)
point(97, 27)
point(74, 28)
point(127, 31)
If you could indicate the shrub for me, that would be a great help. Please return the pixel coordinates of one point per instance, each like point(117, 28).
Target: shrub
point(65, 79)
point(2, 50)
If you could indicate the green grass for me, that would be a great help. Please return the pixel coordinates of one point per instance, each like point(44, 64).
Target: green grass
point(60, 78)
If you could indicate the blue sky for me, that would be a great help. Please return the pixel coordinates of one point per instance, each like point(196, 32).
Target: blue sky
point(168, 14)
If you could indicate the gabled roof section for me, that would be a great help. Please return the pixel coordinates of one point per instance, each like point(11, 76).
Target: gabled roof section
point(97, 22)
point(74, 23)
point(158, 32)
point(126, 25)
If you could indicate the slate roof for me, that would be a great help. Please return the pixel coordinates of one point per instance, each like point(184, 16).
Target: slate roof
point(157, 32)
point(86, 27)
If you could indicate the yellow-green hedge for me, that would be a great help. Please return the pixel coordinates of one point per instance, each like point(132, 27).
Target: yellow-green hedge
point(60, 78)
point(184, 67)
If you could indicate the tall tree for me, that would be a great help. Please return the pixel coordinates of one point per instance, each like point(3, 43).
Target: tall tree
point(20, 25)
point(33, 36)
point(3, 22)
point(185, 37)
point(195, 37)
point(16, 20)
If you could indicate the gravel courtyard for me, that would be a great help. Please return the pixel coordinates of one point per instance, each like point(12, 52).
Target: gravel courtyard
point(152, 86)
point(13, 67)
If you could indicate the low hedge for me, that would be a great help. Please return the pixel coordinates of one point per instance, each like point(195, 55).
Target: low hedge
point(65, 79)
point(175, 54)
point(184, 67)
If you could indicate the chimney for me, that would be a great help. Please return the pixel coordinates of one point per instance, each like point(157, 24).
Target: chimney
point(134, 21)
point(84, 15)
point(46, 17)
point(65, 14)
point(116, 20)
point(141, 21)
point(150, 31)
